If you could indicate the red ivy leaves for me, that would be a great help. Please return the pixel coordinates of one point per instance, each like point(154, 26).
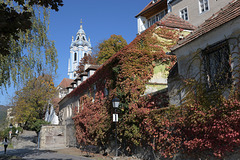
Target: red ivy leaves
point(92, 121)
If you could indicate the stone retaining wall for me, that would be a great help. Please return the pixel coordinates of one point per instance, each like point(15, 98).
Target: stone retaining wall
point(53, 137)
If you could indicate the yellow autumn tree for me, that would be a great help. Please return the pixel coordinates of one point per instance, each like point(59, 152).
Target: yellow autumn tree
point(30, 102)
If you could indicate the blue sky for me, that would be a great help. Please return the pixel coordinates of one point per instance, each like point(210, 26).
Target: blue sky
point(101, 19)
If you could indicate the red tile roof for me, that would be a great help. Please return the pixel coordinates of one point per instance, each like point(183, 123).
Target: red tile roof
point(174, 21)
point(65, 82)
point(148, 7)
point(226, 14)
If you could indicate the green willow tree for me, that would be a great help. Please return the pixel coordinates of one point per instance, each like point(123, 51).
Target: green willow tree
point(109, 47)
point(25, 50)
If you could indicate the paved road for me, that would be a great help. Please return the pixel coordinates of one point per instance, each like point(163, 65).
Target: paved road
point(26, 147)
point(34, 154)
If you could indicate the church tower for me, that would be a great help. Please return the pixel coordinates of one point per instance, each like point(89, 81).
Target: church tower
point(80, 47)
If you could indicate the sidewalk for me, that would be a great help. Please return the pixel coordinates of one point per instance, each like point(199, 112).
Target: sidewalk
point(77, 152)
point(32, 154)
point(25, 147)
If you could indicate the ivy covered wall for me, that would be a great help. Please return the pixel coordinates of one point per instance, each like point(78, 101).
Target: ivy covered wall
point(140, 65)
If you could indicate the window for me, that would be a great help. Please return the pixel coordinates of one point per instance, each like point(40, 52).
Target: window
point(203, 6)
point(156, 18)
point(154, 1)
point(105, 89)
point(184, 14)
point(217, 66)
point(75, 56)
point(94, 92)
point(78, 105)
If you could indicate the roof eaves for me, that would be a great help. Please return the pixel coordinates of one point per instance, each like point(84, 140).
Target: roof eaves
point(148, 7)
point(145, 8)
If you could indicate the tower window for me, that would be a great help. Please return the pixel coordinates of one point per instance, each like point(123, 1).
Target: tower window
point(75, 56)
point(83, 38)
point(85, 54)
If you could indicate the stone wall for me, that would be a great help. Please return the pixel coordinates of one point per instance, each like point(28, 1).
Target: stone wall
point(53, 137)
point(70, 133)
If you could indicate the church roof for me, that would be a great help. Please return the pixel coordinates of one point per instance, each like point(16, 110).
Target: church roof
point(81, 31)
point(81, 39)
point(228, 13)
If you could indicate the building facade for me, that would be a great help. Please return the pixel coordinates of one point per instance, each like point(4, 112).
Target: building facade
point(193, 11)
point(152, 13)
point(79, 47)
point(196, 11)
point(210, 55)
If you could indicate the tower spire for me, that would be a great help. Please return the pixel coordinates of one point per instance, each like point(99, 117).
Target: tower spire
point(81, 24)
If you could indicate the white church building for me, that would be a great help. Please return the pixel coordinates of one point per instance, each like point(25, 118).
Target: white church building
point(79, 47)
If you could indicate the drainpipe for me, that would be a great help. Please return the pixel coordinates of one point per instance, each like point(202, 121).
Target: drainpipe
point(169, 6)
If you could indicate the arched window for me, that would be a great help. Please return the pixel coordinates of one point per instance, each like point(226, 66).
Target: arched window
point(75, 56)
point(85, 54)
point(83, 38)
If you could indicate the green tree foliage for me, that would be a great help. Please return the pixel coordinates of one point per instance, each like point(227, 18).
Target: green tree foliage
point(25, 49)
point(109, 47)
point(37, 125)
point(30, 102)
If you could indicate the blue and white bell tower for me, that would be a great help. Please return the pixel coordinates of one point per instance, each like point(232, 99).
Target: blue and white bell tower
point(80, 47)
